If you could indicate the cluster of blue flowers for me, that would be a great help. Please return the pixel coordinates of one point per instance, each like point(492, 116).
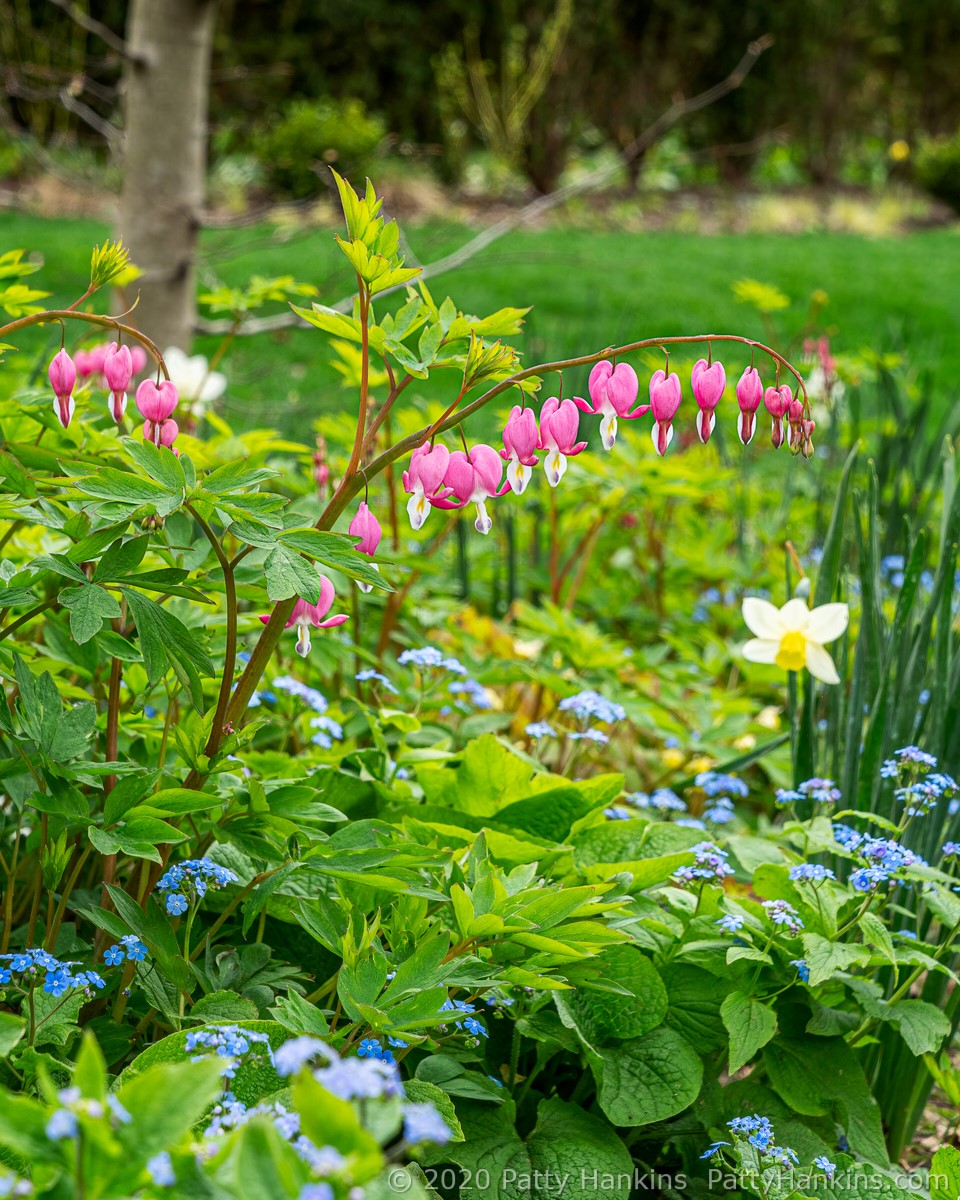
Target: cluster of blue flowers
point(371, 1048)
point(590, 705)
point(63, 1125)
point(469, 694)
point(369, 674)
point(882, 858)
point(820, 791)
point(13, 1185)
point(585, 707)
point(718, 783)
point(710, 863)
point(368, 1077)
point(427, 657)
point(328, 731)
point(238, 1046)
point(810, 873)
point(891, 572)
point(469, 1024)
point(920, 785)
point(802, 969)
point(294, 687)
point(783, 914)
point(758, 1132)
point(466, 693)
point(661, 800)
point(730, 923)
point(191, 879)
point(25, 966)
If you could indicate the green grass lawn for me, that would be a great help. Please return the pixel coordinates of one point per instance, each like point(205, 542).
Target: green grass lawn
point(587, 290)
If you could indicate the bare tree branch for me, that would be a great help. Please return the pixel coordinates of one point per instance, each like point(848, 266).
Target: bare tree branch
point(675, 113)
point(111, 135)
point(91, 25)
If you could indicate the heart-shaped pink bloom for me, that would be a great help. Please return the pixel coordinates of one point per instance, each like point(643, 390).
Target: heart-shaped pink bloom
point(118, 367)
point(156, 403)
point(423, 481)
point(708, 383)
point(117, 371)
point(777, 402)
point(665, 397)
point(90, 362)
point(62, 374)
point(559, 427)
point(366, 527)
point(161, 433)
point(305, 615)
point(474, 479)
point(520, 440)
point(749, 395)
point(613, 389)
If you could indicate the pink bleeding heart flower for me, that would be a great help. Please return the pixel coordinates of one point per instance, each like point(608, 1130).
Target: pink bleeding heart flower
point(366, 527)
point(795, 416)
point(63, 375)
point(708, 382)
point(161, 433)
point(305, 615)
point(559, 427)
point(749, 395)
point(90, 362)
point(777, 401)
point(806, 440)
point(665, 396)
point(156, 402)
point(520, 439)
point(424, 480)
point(117, 371)
point(138, 356)
point(474, 479)
point(613, 389)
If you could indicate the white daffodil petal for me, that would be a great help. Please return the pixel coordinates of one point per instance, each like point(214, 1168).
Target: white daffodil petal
point(762, 618)
point(761, 650)
point(795, 615)
point(820, 664)
point(828, 622)
point(213, 386)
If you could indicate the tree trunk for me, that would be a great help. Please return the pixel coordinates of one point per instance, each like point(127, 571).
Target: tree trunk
point(167, 86)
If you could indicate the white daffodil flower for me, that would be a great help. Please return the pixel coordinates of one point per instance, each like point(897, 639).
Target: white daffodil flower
point(793, 637)
point(196, 384)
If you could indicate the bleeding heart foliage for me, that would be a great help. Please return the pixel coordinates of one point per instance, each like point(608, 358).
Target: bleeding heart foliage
point(576, 889)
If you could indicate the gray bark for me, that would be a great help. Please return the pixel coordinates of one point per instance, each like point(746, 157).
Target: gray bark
point(167, 86)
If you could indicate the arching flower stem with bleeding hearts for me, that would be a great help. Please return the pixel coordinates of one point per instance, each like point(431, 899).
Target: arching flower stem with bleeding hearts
point(69, 314)
point(353, 480)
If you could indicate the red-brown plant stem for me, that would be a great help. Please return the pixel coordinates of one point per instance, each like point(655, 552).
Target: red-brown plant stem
point(67, 314)
point(230, 651)
point(351, 482)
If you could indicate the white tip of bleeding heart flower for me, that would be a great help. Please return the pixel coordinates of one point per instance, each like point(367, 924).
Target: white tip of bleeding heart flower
point(704, 425)
point(117, 405)
point(555, 464)
point(64, 410)
point(655, 438)
point(608, 432)
point(483, 523)
point(741, 421)
point(518, 476)
point(418, 506)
